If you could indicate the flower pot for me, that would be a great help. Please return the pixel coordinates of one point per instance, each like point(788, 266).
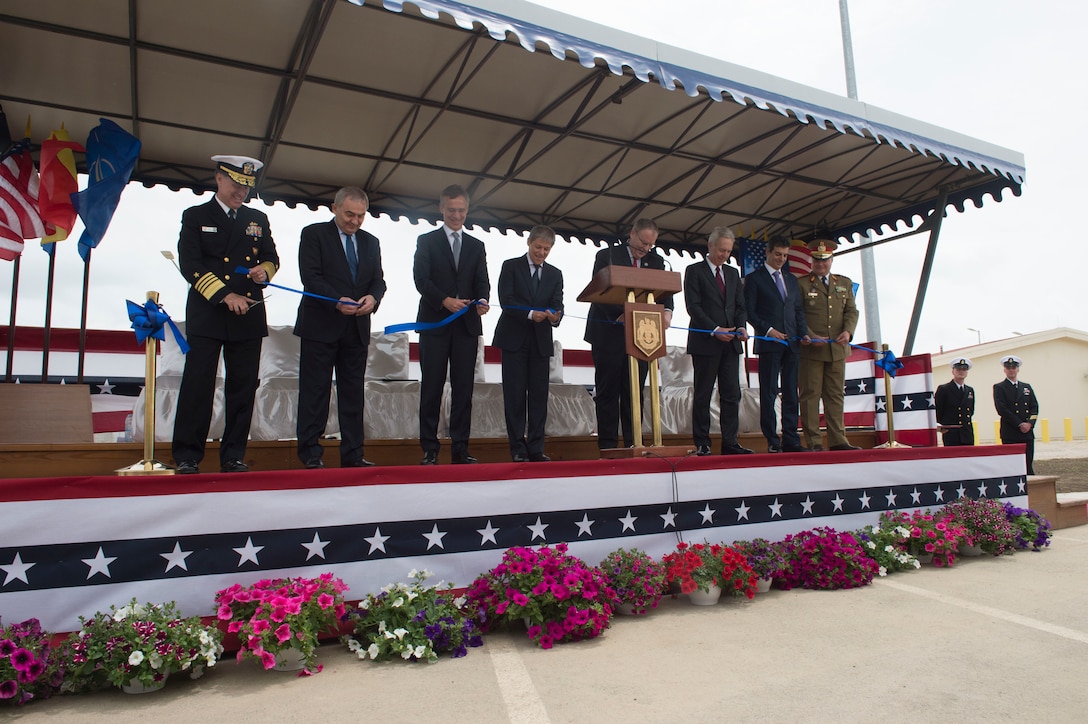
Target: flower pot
point(924, 558)
point(625, 609)
point(969, 550)
point(290, 660)
point(705, 598)
point(763, 585)
point(135, 686)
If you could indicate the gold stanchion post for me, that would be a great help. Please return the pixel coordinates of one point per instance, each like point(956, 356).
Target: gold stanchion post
point(889, 411)
point(149, 465)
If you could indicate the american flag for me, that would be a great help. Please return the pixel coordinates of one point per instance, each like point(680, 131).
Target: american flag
point(19, 217)
point(800, 258)
point(751, 255)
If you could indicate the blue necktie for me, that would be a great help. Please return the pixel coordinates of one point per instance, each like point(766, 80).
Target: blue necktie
point(780, 284)
point(353, 259)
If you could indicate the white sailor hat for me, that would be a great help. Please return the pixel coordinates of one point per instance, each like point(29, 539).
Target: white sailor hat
point(960, 362)
point(242, 169)
point(1010, 360)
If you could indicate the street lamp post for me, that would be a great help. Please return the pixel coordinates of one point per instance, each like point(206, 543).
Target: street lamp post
point(976, 331)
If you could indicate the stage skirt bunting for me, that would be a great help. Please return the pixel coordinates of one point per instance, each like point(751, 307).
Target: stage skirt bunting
point(914, 412)
point(74, 546)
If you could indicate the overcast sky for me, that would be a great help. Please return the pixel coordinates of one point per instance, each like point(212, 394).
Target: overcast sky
point(1007, 73)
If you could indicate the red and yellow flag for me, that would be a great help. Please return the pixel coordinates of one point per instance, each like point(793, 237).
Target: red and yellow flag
point(57, 171)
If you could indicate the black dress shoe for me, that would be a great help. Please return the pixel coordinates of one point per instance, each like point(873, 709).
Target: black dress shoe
point(314, 464)
point(845, 446)
point(187, 467)
point(360, 463)
point(464, 459)
point(234, 466)
point(736, 450)
point(795, 448)
point(519, 458)
point(429, 458)
point(817, 448)
point(702, 450)
point(539, 458)
point(774, 449)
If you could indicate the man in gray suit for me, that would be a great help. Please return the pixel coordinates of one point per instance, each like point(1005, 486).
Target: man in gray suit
point(715, 303)
point(336, 259)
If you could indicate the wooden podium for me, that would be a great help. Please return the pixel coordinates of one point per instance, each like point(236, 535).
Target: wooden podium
point(637, 289)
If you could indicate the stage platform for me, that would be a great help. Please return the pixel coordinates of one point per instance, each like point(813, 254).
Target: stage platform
point(74, 545)
point(58, 460)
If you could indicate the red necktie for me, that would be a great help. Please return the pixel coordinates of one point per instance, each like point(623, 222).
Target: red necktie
point(721, 282)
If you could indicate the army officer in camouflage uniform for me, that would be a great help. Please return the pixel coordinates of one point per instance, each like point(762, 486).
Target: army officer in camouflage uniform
point(831, 315)
point(223, 313)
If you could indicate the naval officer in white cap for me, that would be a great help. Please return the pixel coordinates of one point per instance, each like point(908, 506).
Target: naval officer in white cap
point(955, 403)
point(1018, 409)
point(223, 313)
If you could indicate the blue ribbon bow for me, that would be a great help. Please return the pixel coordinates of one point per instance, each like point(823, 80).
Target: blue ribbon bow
point(888, 362)
point(150, 319)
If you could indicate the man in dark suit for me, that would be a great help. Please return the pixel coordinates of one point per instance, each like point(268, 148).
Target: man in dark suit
point(525, 338)
point(1018, 409)
point(715, 303)
point(223, 313)
point(450, 272)
point(955, 403)
point(611, 376)
point(772, 300)
point(336, 259)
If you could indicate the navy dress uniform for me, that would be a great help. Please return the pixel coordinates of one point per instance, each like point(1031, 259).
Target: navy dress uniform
point(955, 403)
point(223, 313)
point(1016, 404)
point(830, 310)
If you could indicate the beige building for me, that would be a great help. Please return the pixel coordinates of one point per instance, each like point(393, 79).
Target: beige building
point(1055, 364)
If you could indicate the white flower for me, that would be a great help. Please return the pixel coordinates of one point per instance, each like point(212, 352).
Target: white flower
point(353, 645)
point(381, 626)
point(398, 602)
point(406, 654)
point(411, 596)
point(139, 609)
point(870, 544)
point(136, 658)
point(420, 652)
point(459, 601)
point(365, 604)
point(883, 571)
point(889, 549)
point(917, 564)
point(425, 574)
point(400, 632)
point(374, 651)
point(155, 660)
point(389, 635)
point(413, 573)
point(122, 613)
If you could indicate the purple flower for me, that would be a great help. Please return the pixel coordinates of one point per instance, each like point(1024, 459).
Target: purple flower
point(22, 659)
point(7, 647)
point(8, 689)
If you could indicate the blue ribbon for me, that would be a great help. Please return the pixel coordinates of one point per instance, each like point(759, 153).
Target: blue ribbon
point(424, 326)
point(243, 270)
point(886, 360)
point(148, 321)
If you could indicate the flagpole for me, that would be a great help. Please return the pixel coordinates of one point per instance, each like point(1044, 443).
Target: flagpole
point(48, 314)
point(83, 318)
point(11, 318)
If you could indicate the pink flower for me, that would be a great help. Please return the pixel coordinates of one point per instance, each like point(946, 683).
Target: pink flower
point(283, 633)
point(325, 600)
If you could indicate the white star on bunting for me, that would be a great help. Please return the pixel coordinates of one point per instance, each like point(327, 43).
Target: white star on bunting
point(806, 505)
point(1002, 489)
point(916, 497)
point(864, 500)
point(538, 530)
point(742, 511)
point(316, 547)
point(891, 498)
point(16, 570)
point(707, 513)
point(628, 521)
point(669, 518)
point(99, 564)
point(982, 490)
point(939, 494)
point(880, 405)
point(434, 538)
point(176, 558)
point(106, 388)
point(377, 541)
point(776, 508)
point(487, 533)
point(838, 502)
point(248, 552)
point(961, 491)
point(862, 387)
point(585, 525)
